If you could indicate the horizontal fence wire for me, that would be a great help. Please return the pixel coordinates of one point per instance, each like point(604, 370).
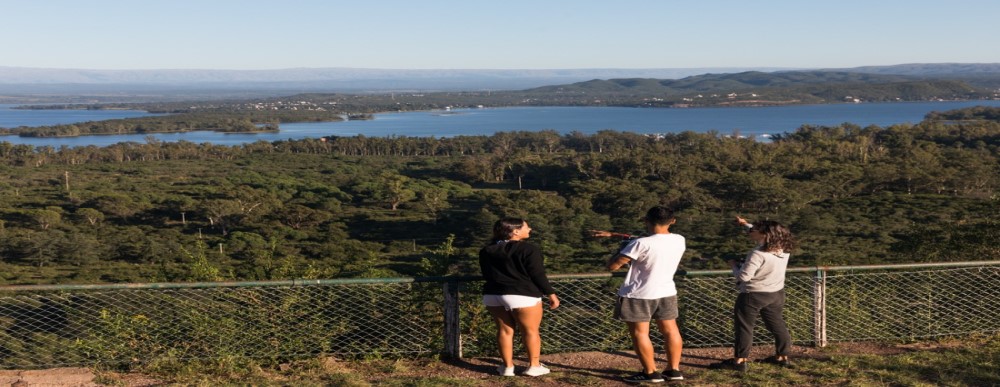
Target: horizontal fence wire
point(49, 326)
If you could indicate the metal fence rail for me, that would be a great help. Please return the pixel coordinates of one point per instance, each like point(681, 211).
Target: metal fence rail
point(46, 326)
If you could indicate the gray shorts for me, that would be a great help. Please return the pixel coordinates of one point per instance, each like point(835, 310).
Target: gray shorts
point(639, 310)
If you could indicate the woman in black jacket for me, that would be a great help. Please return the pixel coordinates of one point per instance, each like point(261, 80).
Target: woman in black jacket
point(515, 284)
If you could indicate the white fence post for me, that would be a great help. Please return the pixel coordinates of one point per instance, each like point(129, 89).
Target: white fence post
point(819, 308)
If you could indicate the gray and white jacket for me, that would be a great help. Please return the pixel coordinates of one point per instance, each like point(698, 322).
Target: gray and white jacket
point(762, 272)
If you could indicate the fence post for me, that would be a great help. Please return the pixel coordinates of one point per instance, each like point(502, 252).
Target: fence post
point(819, 308)
point(452, 328)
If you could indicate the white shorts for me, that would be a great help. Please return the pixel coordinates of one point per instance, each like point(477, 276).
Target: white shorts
point(510, 301)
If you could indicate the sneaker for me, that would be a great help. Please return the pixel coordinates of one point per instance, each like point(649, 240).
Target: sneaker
point(729, 364)
point(786, 363)
point(642, 377)
point(673, 375)
point(505, 371)
point(536, 371)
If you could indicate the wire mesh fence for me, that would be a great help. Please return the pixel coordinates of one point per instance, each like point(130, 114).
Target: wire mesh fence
point(912, 304)
point(266, 322)
point(133, 324)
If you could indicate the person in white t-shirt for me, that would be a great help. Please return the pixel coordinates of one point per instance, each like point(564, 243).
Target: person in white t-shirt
point(649, 293)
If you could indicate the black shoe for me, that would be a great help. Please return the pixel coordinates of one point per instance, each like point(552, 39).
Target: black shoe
point(673, 375)
point(654, 377)
point(780, 363)
point(729, 365)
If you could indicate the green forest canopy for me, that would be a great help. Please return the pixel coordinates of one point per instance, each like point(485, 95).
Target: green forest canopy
point(404, 206)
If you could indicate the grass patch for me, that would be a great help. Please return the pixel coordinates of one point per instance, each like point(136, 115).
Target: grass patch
point(972, 361)
point(976, 363)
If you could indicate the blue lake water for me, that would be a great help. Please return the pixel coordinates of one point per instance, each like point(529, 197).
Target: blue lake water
point(12, 118)
point(745, 120)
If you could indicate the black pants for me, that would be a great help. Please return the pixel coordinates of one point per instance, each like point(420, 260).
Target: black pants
point(768, 306)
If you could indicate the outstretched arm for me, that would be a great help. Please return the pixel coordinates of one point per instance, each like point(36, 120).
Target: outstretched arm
point(607, 234)
point(747, 226)
point(618, 261)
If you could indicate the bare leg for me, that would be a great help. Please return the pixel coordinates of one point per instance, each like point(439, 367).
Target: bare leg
point(530, 319)
point(505, 333)
point(672, 342)
point(643, 346)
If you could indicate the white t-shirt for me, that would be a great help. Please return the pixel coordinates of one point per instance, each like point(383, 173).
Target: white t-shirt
point(654, 262)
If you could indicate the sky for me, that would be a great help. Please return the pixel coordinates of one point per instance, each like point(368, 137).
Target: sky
point(507, 34)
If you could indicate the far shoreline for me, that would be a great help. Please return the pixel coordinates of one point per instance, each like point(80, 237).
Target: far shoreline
point(621, 121)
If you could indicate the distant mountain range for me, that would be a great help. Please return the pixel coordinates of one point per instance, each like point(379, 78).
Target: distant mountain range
point(757, 88)
point(189, 84)
point(324, 79)
point(930, 69)
point(724, 82)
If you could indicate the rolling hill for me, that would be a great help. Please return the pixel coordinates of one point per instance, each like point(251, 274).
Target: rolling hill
point(777, 87)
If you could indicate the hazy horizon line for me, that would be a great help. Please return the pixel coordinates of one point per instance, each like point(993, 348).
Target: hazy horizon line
point(487, 69)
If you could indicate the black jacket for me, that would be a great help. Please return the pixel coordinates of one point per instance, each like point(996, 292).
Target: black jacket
point(514, 267)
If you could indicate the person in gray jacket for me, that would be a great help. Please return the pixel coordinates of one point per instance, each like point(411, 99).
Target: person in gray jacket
point(760, 280)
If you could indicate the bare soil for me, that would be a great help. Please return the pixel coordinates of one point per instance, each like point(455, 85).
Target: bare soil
point(68, 377)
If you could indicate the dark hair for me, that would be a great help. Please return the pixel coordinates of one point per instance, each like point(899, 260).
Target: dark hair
point(659, 215)
point(504, 228)
point(776, 236)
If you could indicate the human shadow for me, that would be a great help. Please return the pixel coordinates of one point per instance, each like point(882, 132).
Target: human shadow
point(611, 374)
point(490, 368)
point(616, 374)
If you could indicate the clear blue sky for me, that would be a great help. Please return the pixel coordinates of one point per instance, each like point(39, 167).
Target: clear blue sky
point(507, 34)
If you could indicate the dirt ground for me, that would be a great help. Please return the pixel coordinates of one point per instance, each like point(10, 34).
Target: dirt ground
point(64, 377)
point(568, 369)
point(607, 368)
